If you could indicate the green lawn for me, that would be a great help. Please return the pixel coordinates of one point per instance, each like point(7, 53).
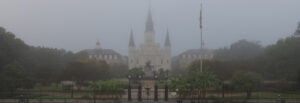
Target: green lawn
point(269, 96)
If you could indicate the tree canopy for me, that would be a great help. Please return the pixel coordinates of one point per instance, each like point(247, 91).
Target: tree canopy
point(240, 50)
point(246, 81)
point(86, 70)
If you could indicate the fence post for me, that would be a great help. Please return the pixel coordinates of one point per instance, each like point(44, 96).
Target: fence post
point(140, 92)
point(166, 93)
point(129, 93)
point(155, 92)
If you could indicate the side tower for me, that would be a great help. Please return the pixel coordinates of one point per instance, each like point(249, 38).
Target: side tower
point(131, 51)
point(167, 52)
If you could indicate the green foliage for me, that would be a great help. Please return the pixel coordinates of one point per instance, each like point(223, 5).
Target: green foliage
point(284, 85)
point(52, 87)
point(196, 80)
point(280, 60)
point(11, 48)
point(204, 80)
point(111, 87)
point(223, 69)
point(87, 70)
point(13, 76)
point(246, 81)
point(135, 72)
point(240, 50)
point(118, 71)
point(43, 64)
point(180, 85)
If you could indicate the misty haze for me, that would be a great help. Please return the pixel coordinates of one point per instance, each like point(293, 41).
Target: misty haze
point(136, 51)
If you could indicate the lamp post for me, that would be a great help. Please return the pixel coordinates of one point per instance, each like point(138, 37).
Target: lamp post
point(166, 88)
point(223, 90)
point(198, 93)
point(72, 88)
point(129, 88)
point(95, 88)
point(178, 97)
point(192, 95)
point(140, 88)
point(155, 88)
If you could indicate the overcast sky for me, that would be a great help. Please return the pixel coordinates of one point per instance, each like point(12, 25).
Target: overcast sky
point(77, 24)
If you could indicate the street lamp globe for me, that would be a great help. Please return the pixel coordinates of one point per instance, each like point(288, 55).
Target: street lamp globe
point(129, 76)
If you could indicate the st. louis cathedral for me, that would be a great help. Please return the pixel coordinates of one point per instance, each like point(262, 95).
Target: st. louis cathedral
point(149, 55)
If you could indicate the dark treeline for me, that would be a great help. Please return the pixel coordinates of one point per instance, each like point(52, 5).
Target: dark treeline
point(22, 65)
point(279, 61)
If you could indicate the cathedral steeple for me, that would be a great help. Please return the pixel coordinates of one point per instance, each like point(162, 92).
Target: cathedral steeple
point(149, 22)
point(149, 30)
point(167, 41)
point(131, 41)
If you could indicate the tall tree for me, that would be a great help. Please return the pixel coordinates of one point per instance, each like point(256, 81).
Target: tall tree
point(280, 60)
point(13, 76)
point(240, 50)
point(86, 70)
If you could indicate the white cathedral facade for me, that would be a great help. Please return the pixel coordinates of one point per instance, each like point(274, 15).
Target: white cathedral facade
point(149, 54)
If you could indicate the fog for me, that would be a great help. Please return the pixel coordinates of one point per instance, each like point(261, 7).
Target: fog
point(77, 24)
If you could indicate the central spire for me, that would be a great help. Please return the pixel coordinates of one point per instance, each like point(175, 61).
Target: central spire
point(167, 41)
point(131, 41)
point(149, 29)
point(149, 22)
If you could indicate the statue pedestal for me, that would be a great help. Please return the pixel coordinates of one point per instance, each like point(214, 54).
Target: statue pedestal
point(148, 72)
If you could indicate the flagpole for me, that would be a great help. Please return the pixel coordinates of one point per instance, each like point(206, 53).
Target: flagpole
point(201, 40)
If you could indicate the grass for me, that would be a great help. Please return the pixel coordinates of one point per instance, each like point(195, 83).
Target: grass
point(275, 95)
point(268, 96)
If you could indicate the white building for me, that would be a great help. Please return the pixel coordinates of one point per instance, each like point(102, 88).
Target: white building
point(149, 52)
point(184, 59)
point(108, 55)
